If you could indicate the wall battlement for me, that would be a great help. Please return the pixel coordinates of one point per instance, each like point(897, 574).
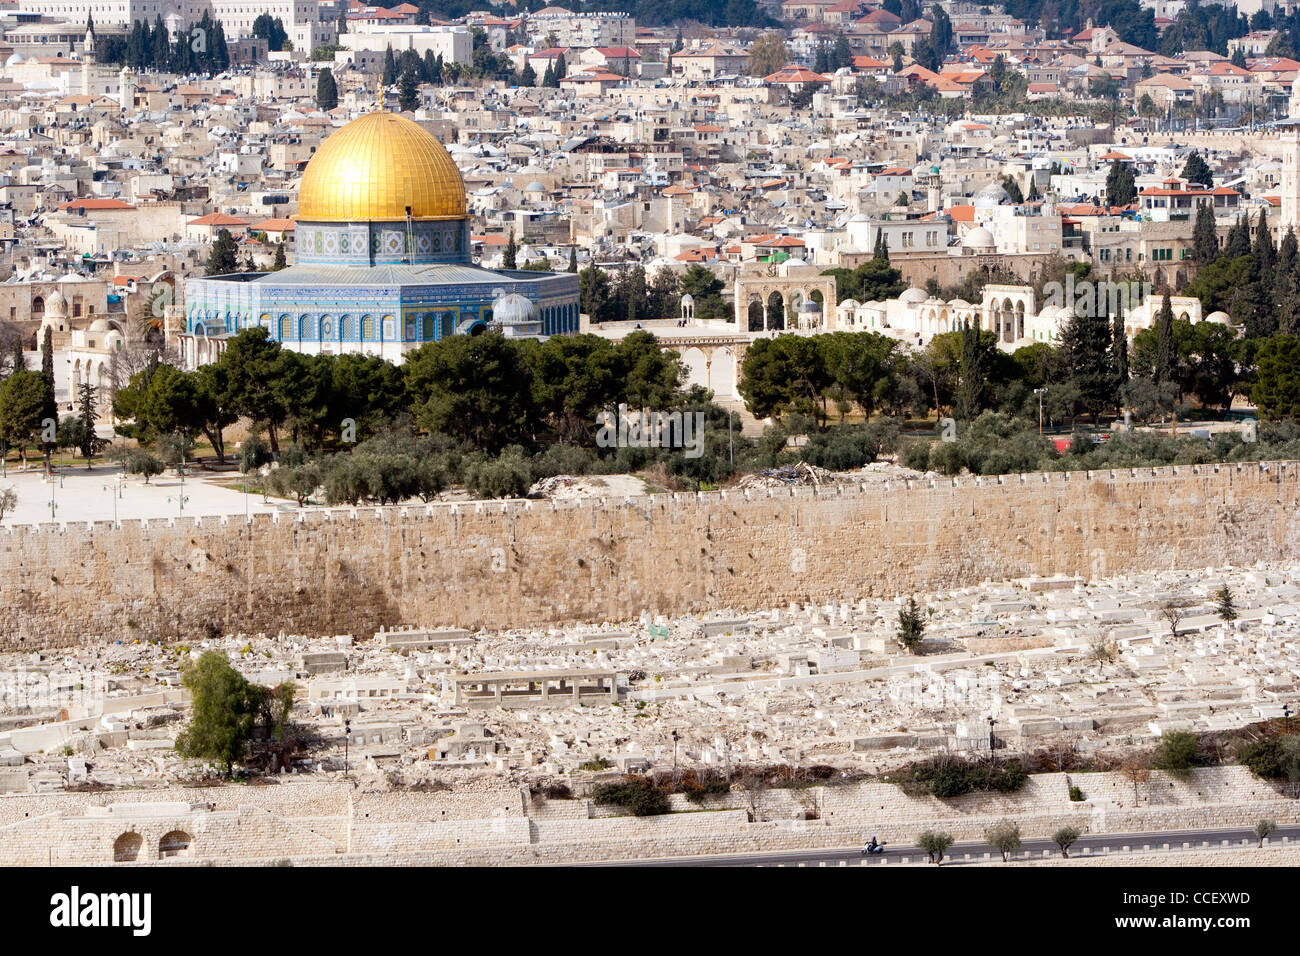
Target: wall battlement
point(515, 563)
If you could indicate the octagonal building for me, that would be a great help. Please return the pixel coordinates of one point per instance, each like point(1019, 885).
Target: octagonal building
point(382, 262)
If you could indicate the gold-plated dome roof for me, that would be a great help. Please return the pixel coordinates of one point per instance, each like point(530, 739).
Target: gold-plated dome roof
point(376, 166)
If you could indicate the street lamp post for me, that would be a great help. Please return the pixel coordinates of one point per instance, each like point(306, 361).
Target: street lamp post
point(1286, 717)
point(347, 739)
point(1040, 392)
point(992, 723)
point(676, 737)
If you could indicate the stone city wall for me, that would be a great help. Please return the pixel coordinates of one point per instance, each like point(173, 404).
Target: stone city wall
point(518, 563)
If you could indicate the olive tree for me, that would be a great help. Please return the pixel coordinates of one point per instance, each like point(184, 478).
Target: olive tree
point(1004, 836)
point(935, 844)
point(1065, 838)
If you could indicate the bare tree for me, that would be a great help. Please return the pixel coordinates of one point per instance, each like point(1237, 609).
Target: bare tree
point(1173, 611)
point(8, 501)
point(1135, 771)
point(135, 355)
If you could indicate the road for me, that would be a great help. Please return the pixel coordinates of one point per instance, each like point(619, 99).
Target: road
point(1096, 843)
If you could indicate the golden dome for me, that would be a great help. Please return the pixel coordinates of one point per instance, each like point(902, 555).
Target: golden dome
point(376, 166)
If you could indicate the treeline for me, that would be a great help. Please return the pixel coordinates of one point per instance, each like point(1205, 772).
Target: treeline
point(199, 48)
point(1063, 18)
point(713, 13)
point(484, 411)
point(1173, 368)
point(1255, 280)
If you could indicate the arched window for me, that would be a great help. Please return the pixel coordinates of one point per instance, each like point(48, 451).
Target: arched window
point(327, 327)
point(448, 325)
point(368, 328)
point(306, 329)
point(347, 328)
point(286, 328)
point(427, 336)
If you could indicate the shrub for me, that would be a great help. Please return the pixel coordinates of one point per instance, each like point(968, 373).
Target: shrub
point(1262, 757)
point(634, 794)
point(917, 455)
point(1075, 793)
point(1178, 753)
point(946, 777)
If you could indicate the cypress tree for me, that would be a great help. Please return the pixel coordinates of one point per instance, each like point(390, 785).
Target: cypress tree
point(280, 261)
point(327, 90)
point(1286, 286)
point(508, 261)
point(881, 251)
point(971, 384)
point(390, 67)
point(1264, 252)
point(1086, 344)
point(1205, 238)
point(1119, 346)
point(1164, 342)
point(50, 410)
point(408, 97)
point(1238, 243)
point(573, 259)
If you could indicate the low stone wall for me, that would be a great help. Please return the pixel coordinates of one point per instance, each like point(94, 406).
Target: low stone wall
point(319, 822)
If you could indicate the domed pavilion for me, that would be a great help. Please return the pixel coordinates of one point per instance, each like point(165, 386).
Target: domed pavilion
point(382, 260)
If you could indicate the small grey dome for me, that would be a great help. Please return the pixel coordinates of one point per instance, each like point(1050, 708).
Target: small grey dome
point(513, 309)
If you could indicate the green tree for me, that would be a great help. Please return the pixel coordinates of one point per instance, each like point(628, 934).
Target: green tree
point(280, 261)
point(1086, 345)
point(911, 625)
point(223, 709)
point(1262, 830)
point(974, 374)
point(1196, 170)
point(573, 259)
point(408, 94)
point(24, 400)
point(1004, 836)
point(473, 388)
point(935, 844)
point(223, 259)
point(508, 261)
point(89, 443)
point(1205, 236)
point(1178, 753)
point(388, 75)
point(258, 376)
point(593, 292)
point(1065, 838)
point(1276, 391)
point(705, 288)
point(1164, 342)
point(1224, 604)
point(528, 76)
point(1121, 184)
point(327, 90)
